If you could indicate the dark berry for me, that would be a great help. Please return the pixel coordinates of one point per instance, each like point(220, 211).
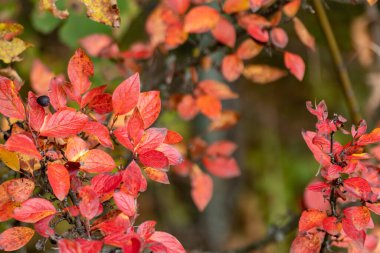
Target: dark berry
point(43, 100)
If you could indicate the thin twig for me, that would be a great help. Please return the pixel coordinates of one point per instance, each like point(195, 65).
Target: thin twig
point(345, 81)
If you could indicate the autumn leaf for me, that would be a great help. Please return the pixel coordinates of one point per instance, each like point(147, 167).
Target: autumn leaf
point(133, 180)
point(358, 215)
point(89, 204)
point(187, 107)
point(40, 76)
point(63, 123)
point(258, 32)
point(332, 225)
point(33, 210)
point(97, 161)
point(201, 188)
point(295, 64)
point(161, 240)
point(99, 45)
point(104, 183)
point(263, 74)
point(349, 228)
point(23, 144)
point(103, 11)
point(290, 9)
point(59, 180)
point(10, 50)
point(154, 158)
point(224, 32)
point(43, 228)
point(20, 189)
point(232, 6)
point(36, 113)
point(79, 70)
point(157, 175)
point(75, 148)
point(125, 202)
point(100, 132)
point(279, 37)
point(248, 49)
point(172, 137)
point(370, 138)
point(311, 219)
point(15, 238)
point(126, 95)
point(149, 106)
point(232, 67)
point(306, 244)
point(227, 120)
point(49, 5)
point(209, 106)
point(303, 34)
point(179, 6)
point(358, 186)
point(57, 94)
point(9, 158)
point(10, 30)
point(10, 102)
point(201, 19)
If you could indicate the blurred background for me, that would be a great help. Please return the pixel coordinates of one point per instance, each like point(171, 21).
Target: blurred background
point(276, 164)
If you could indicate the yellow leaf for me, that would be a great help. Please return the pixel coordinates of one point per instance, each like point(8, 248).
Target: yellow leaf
point(103, 11)
point(28, 163)
point(49, 5)
point(263, 74)
point(10, 159)
point(9, 50)
point(10, 30)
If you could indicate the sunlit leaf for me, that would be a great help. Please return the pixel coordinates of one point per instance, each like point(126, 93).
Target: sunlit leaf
point(15, 238)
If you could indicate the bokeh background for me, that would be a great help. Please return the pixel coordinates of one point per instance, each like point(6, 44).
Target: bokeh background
point(276, 164)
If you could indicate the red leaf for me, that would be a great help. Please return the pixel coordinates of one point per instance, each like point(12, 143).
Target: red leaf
point(295, 64)
point(97, 161)
point(248, 49)
point(152, 138)
point(232, 67)
point(216, 89)
point(303, 34)
point(89, 204)
point(90, 95)
point(157, 175)
point(321, 157)
point(258, 32)
point(221, 148)
point(125, 202)
point(209, 106)
point(201, 188)
point(19, 189)
point(40, 76)
point(10, 102)
point(223, 167)
point(149, 106)
point(130, 135)
point(187, 107)
point(134, 181)
point(33, 210)
point(179, 6)
point(59, 180)
point(351, 231)
point(15, 238)
point(224, 32)
point(75, 148)
point(100, 131)
point(101, 104)
point(146, 229)
point(279, 37)
point(89, 246)
point(358, 215)
point(358, 186)
point(173, 155)
point(105, 183)
point(154, 159)
point(306, 244)
point(318, 186)
point(201, 19)
point(36, 113)
point(99, 45)
point(63, 123)
point(23, 144)
point(43, 228)
point(79, 70)
point(173, 137)
point(370, 138)
point(332, 225)
point(57, 94)
point(169, 242)
point(126, 95)
point(311, 219)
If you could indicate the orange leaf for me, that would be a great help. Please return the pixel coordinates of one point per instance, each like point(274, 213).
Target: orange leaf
point(248, 49)
point(187, 107)
point(125, 202)
point(332, 225)
point(227, 120)
point(10, 102)
point(232, 67)
point(370, 138)
point(79, 70)
point(157, 175)
point(6, 211)
point(75, 148)
point(15, 238)
point(279, 37)
point(201, 188)
point(33, 210)
point(232, 6)
point(224, 32)
point(311, 219)
point(40, 76)
point(126, 95)
point(209, 106)
point(295, 64)
point(59, 180)
point(20, 189)
point(306, 244)
point(358, 215)
point(63, 123)
point(97, 161)
point(149, 106)
point(216, 89)
point(303, 34)
point(263, 74)
point(179, 6)
point(201, 19)
point(23, 144)
point(291, 9)
point(349, 228)
point(172, 137)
